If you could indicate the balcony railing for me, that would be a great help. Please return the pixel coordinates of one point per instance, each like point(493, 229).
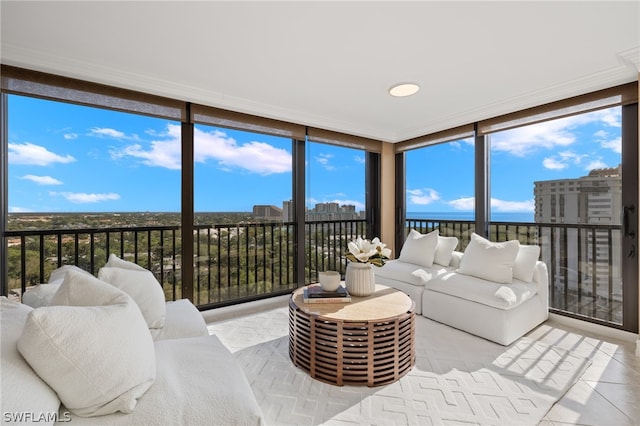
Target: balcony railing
point(233, 263)
point(239, 262)
point(584, 261)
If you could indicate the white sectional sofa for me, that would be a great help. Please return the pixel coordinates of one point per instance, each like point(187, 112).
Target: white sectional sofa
point(94, 352)
point(498, 291)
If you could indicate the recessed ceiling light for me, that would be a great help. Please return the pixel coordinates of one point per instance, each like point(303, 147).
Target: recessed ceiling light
point(403, 89)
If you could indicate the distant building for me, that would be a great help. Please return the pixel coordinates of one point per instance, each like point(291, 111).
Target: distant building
point(595, 199)
point(333, 211)
point(267, 212)
point(288, 211)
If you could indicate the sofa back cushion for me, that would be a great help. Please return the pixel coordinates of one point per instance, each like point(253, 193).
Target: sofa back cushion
point(41, 294)
point(489, 260)
point(444, 250)
point(419, 249)
point(525, 262)
point(143, 288)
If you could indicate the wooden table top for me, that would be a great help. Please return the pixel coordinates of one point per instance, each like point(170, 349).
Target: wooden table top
point(385, 302)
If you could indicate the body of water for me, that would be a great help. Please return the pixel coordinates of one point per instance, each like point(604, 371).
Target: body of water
point(495, 217)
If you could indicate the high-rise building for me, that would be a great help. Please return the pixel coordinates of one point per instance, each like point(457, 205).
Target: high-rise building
point(288, 212)
point(584, 254)
point(333, 211)
point(595, 198)
point(267, 212)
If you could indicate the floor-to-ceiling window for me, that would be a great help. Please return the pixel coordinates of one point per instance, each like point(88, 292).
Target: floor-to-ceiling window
point(335, 205)
point(75, 171)
point(243, 222)
point(565, 175)
point(223, 188)
point(438, 185)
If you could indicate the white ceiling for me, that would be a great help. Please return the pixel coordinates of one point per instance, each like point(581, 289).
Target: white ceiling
point(330, 64)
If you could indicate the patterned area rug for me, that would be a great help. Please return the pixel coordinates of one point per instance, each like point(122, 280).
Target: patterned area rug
point(458, 379)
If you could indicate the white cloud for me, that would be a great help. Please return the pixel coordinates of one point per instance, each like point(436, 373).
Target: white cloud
point(468, 204)
point(255, 157)
point(359, 159)
point(596, 164)
point(82, 198)
point(423, 196)
point(465, 203)
point(36, 155)
point(563, 159)
point(553, 164)
point(524, 140)
point(613, 144)
point(105, 131)
point(611, 117)
point(42, 180)
point(550, 134)
point(70, 136)
point(323, 159)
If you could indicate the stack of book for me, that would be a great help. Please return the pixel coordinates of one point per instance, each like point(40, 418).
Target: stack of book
point(315, 294)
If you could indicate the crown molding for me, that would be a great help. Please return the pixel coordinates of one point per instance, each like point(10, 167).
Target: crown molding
point(631, 57)
point(39, 60)
point(44, 61)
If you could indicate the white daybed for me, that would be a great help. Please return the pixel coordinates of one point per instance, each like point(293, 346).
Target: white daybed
point(87, 355)
point(498, 291)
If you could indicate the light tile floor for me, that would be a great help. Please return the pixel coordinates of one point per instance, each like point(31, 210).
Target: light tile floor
point(607, 394)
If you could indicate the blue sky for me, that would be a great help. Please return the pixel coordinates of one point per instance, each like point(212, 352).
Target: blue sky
point(69, 158)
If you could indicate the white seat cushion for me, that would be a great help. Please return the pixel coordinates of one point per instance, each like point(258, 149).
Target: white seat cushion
point(23, 391)
point(409, 272)
point(199, 383)
point(488, 293)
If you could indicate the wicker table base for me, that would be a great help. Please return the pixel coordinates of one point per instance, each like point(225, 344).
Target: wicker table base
point(369, 341)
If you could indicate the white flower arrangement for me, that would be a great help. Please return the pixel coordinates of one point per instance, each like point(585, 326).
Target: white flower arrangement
point(365, 251)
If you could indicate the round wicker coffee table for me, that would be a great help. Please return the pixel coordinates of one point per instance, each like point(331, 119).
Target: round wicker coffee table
point(368, 341)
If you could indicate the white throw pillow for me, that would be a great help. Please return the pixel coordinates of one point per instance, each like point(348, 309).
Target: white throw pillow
point(419, 249)
point(444, 250)
point(115, 262)
point(22, 390)
point(41, 294)
point(93, 347)
point(57, 275)
point(525, 263)
point(488, 260)
point(143, 288)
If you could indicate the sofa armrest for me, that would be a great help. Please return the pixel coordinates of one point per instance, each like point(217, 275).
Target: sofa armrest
point(541, 277)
